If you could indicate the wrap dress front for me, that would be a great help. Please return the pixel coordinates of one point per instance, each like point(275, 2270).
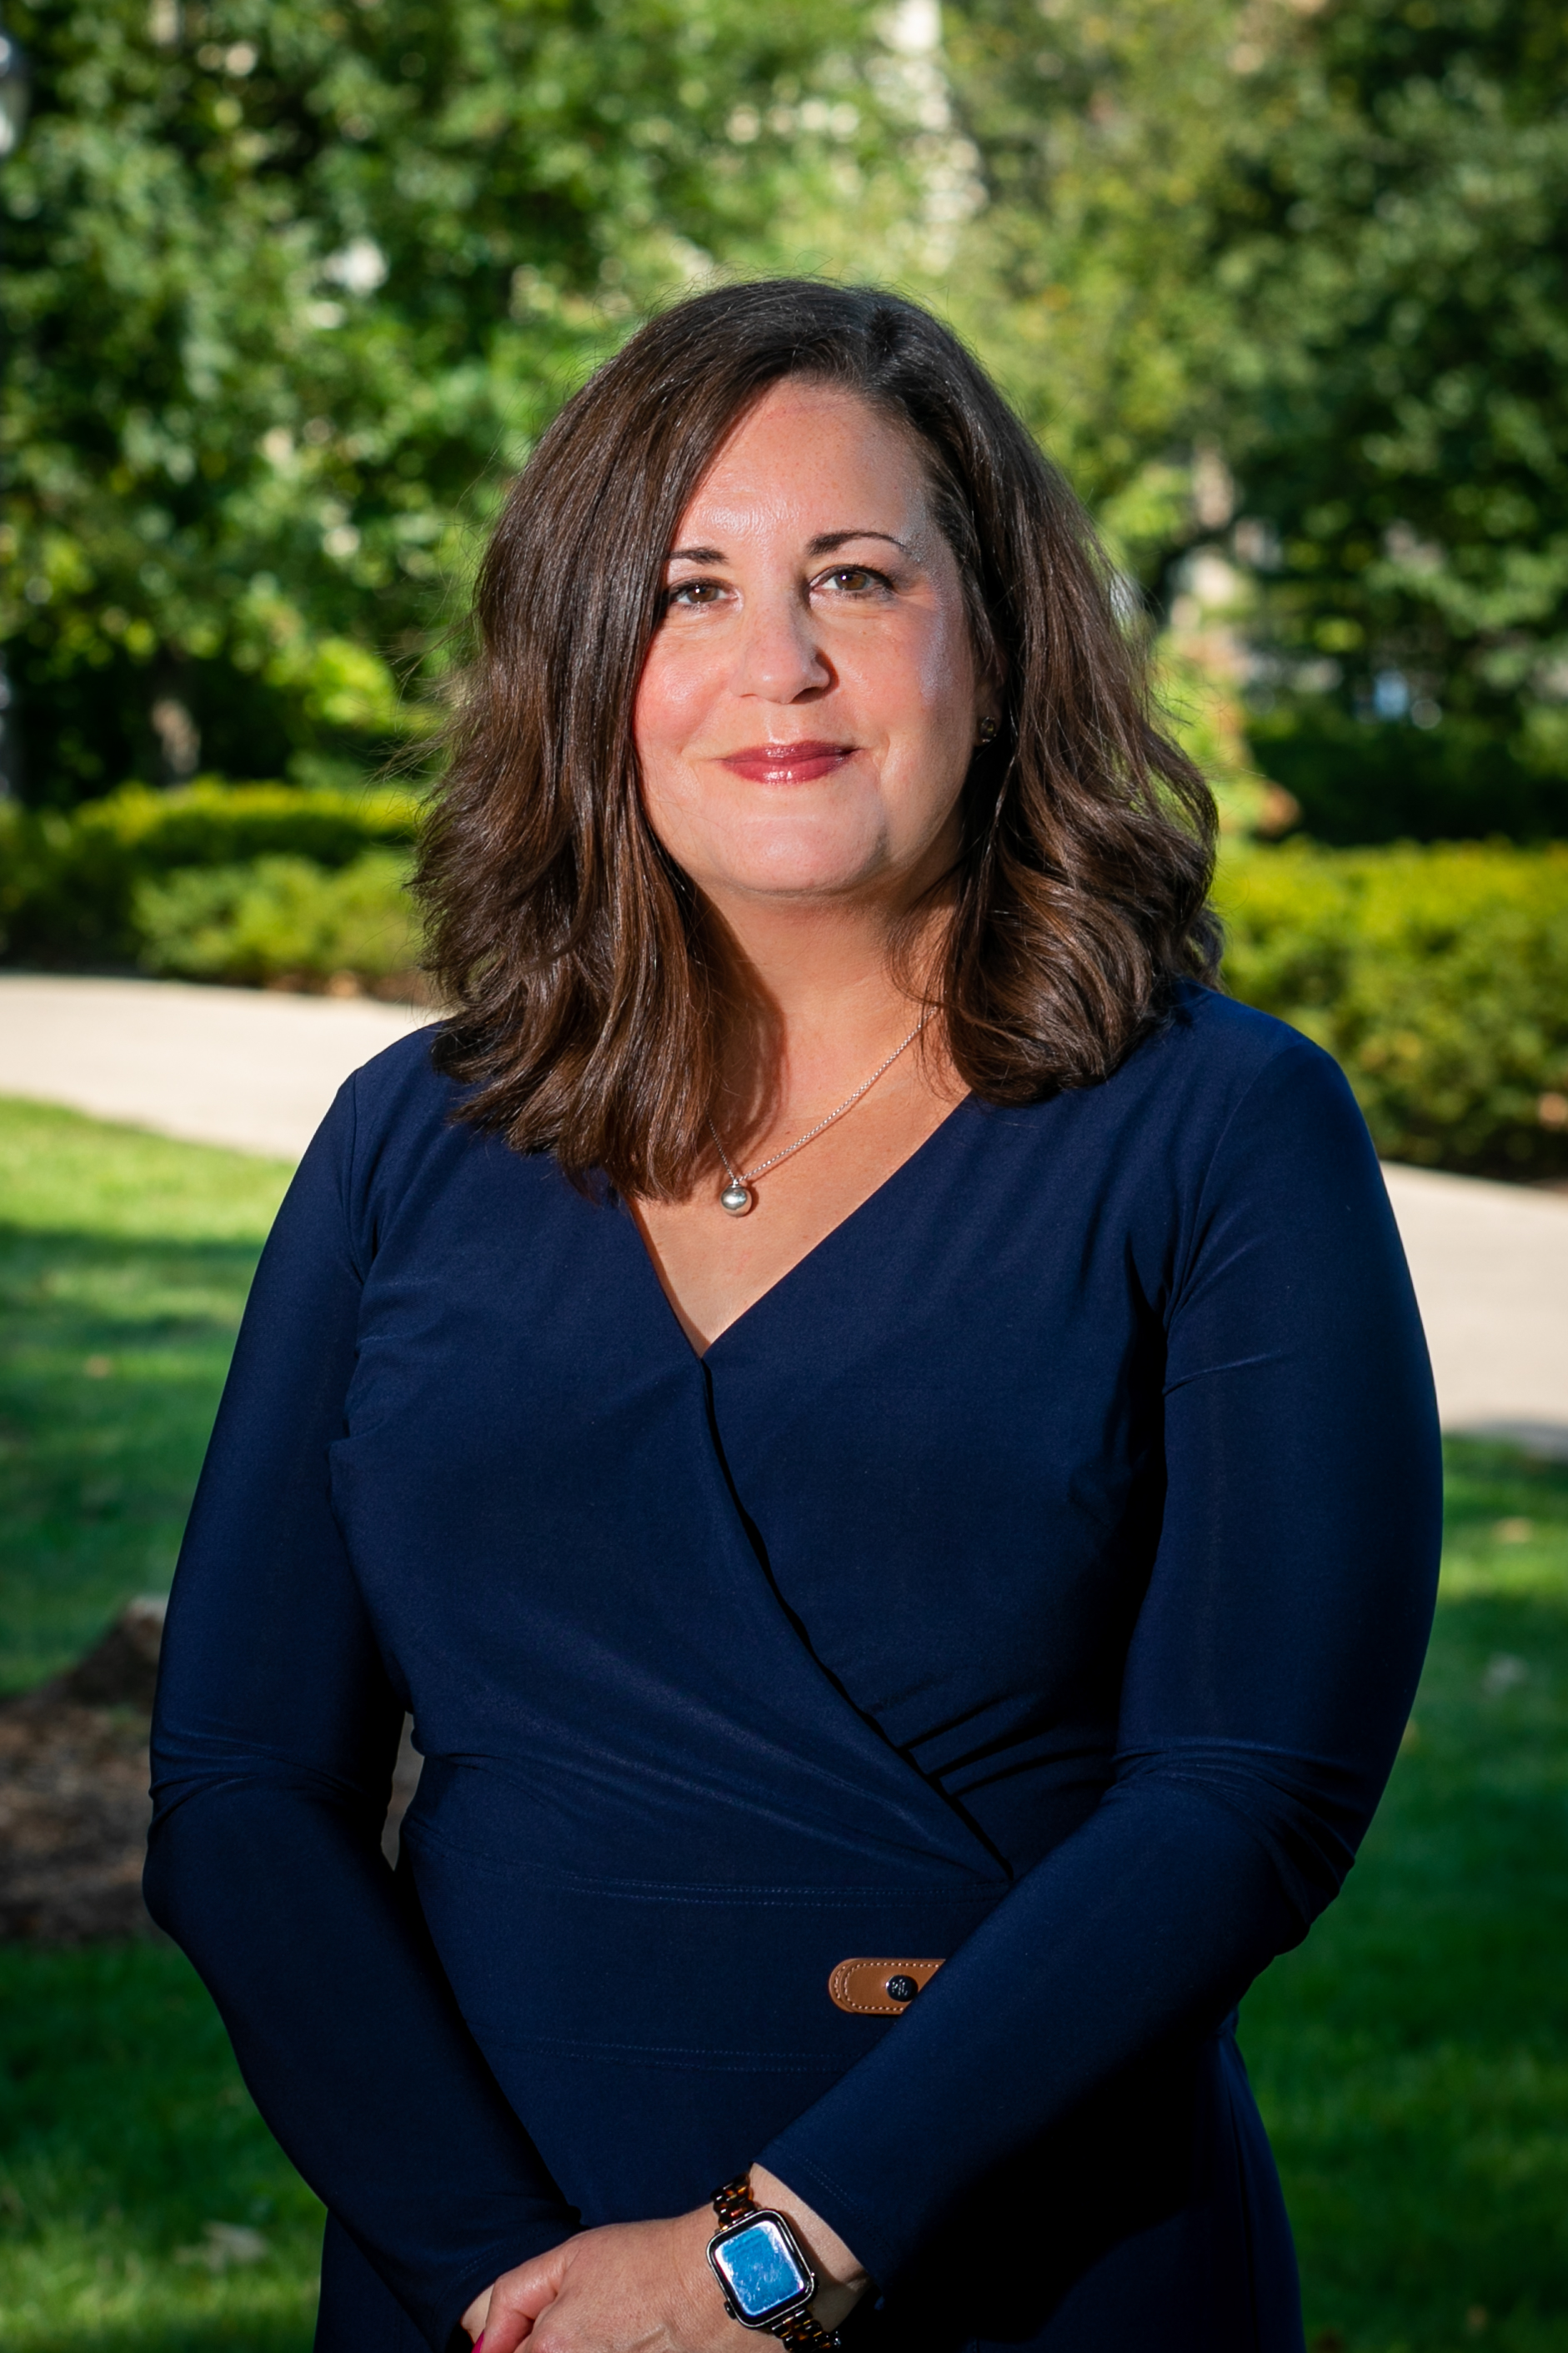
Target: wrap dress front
point(1035, 1580)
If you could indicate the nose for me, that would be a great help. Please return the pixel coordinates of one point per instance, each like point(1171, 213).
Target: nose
point(780, 658)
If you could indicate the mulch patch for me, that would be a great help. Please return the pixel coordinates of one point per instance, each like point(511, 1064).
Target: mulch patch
point(73, 1807)
point(74, 1811)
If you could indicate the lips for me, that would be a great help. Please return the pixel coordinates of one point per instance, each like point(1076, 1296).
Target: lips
point(788, 763)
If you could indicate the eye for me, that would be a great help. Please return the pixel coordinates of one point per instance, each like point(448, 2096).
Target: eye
point(693, 596)
point(853, 580)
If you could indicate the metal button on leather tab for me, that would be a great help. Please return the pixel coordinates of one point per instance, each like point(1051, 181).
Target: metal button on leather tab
point(878, 1988)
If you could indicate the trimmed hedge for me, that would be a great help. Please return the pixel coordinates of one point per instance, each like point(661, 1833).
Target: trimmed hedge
point(1438, 978)
point(70, 883)
point(285, 923)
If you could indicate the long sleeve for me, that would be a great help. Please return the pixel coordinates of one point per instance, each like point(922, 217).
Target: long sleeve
point(276, 1730)
point(1269, 1677)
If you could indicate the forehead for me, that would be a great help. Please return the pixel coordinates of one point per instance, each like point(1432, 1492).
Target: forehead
point(812, 457)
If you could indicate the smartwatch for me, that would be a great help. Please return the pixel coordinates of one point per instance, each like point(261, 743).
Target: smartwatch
point(762, 2272)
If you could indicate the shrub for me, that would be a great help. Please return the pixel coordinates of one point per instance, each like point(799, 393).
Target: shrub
point(1384, 780)
point(1438, 978)
point(69, 882)
point(283, 922)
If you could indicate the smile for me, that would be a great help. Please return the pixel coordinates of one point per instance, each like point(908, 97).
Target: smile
point(788, 763)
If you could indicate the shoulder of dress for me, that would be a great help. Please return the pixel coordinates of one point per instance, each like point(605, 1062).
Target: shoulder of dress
point(396, 1096)
point(402, 1071)
point(407, 1134)
point(1213, 1069)
point(1206, 1032)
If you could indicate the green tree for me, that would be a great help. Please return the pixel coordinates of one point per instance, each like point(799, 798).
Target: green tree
point(1107, 135)
point(1307, 260)
point(290, 289)
point(1401, 411)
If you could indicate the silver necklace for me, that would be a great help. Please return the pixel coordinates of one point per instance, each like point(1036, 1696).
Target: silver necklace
point(739, 1195)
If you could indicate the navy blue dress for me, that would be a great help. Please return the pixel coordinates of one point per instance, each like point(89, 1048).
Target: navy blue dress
point(1036, 1579)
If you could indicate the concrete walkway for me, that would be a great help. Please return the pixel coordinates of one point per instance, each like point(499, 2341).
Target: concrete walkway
point(245, 1068)
point(1491, 1267)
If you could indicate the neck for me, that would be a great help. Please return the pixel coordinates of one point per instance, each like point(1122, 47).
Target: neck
point(816, 1002)
point(812, 963)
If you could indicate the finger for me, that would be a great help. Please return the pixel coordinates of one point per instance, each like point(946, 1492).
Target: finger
point(517, 2300)
point(505, 2333)
point(531, 2285)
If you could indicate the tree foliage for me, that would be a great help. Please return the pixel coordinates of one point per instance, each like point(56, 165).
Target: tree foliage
point(1401, 417)
point(288, 288)
point(1308, 260)
point(1108, 135)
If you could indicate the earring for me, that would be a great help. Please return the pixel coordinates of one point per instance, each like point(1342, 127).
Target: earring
point(988, 731)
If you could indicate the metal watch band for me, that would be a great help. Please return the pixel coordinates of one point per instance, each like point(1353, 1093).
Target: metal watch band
point(804, 2335)
point(799, 2332)
point(735, 2201)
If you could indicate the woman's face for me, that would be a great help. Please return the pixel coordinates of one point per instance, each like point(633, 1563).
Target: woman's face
point(810, 701)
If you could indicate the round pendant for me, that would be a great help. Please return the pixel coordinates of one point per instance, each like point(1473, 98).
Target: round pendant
point(736, 1197)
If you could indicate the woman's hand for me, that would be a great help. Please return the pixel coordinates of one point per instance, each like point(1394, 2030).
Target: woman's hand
point(631, 2288)
point(648, 2288)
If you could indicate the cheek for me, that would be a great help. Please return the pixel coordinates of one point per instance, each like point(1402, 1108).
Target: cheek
point(919, 675)
point(921, 689)
point(671, 700)
point(947, 675)
point(666, 716)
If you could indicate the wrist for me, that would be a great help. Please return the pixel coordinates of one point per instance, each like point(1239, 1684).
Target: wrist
point(835, 2264)
point(780, 2268)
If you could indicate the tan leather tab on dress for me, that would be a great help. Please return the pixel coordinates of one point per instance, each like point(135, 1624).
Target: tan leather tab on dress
point(867, 1988)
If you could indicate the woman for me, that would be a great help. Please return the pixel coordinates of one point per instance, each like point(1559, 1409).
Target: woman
point(876, 1421)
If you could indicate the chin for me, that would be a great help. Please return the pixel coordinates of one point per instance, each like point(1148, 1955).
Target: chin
point(805, 878)
point(805, 860)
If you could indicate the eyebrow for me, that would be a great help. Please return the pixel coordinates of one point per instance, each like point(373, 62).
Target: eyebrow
point(826, 542)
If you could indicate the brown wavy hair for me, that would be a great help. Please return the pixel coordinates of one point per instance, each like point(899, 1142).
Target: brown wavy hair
point(588, 994)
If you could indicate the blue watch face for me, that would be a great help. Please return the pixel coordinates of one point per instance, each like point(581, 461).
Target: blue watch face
point(761, 2269)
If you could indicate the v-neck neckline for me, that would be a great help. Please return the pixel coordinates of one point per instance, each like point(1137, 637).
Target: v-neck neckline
point(807, 1259)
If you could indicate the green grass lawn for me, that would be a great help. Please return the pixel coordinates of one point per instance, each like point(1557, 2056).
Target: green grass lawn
point(124, 2133)
point(124, 1261)
point(1412, 2059)
point(124, 2128)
